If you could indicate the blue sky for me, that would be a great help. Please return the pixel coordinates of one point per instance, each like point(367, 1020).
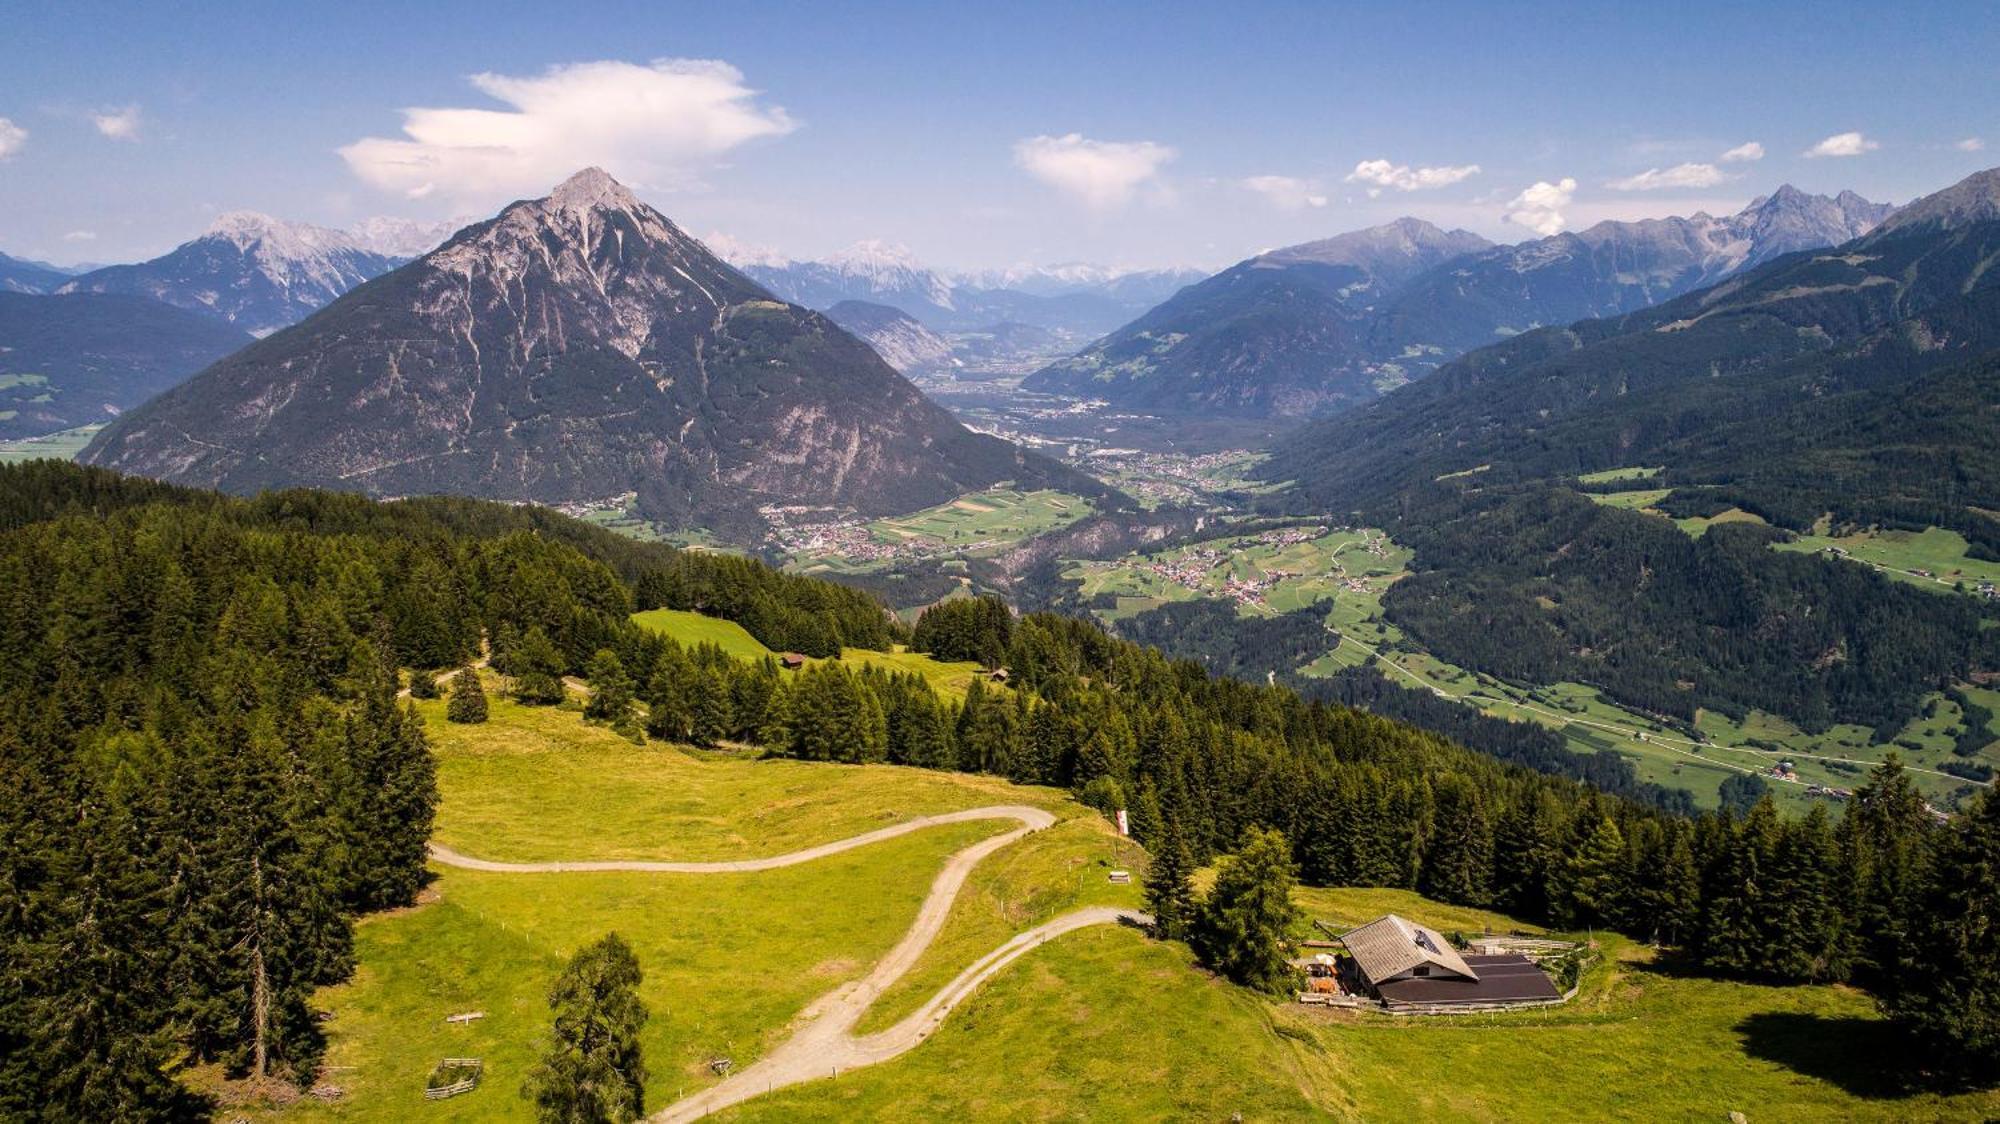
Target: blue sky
point(979, 135)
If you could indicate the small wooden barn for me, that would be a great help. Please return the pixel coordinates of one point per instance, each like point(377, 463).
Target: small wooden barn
point(1407, 965)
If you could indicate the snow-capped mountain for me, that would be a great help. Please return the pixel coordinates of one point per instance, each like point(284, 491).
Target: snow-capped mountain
point(404, 238)
point(874, 271)
point(1075, 298)
point(254, 271)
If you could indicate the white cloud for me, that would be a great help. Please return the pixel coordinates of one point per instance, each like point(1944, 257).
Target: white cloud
point(1402, 177)
point(1103, 174)
point(659, 124)
point(1287, 193)
point(12, 137)
point(1970, 144)
point(80, 236)
point(118, 124)
point(1842, 144)
point(1680, 175)
point(1540, 207)
point(1744, 153)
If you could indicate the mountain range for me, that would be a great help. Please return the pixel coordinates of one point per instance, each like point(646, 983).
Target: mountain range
point(1323, 326)
point(1718, 382)
point(1841, 390)
point(575, 348)
point(1084, 300)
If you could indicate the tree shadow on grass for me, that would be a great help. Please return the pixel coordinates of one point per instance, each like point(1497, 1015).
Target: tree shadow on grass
point(1868, 1058)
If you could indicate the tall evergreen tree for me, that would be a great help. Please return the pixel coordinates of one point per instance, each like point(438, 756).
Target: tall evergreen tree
point(1241, 926)
point(1948, 984)
point(610, 688)
point(1170, 885)
point(592, 1071)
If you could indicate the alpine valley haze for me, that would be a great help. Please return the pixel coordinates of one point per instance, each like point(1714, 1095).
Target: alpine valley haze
point(1011, 564)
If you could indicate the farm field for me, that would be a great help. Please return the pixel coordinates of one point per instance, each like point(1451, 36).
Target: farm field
point(57, 446)
point(1266, 573)
point(1933, 557)
point(1001, 514)
point(690, 629)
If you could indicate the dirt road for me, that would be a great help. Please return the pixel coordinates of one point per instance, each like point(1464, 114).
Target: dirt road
point(823, 1042)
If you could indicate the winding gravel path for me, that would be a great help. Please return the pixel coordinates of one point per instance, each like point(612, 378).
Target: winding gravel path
point(823, 1042)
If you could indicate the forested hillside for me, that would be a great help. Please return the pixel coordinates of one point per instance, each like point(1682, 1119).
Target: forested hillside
point(1849, 390)
point(207, 774)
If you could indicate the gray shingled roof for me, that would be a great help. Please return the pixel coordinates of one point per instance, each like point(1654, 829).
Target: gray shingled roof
point(1389, 946)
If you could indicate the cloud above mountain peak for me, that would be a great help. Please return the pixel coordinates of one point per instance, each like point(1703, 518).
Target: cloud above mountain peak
point(658, 124)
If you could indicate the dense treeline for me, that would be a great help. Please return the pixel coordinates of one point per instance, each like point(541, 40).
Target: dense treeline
point(205, 774)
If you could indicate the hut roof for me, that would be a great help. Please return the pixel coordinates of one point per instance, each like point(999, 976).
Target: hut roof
point(1390, 946)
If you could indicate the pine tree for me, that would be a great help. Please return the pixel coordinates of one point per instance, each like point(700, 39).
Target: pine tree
point(670, 697)
point(1885, 841)
point(1593, 876)
point(1241, 926)
point(592, 1070)
point(1458, 857)
point(423, 684)
point(1170, 885)
point(468, 698)
point(1948, 986)
point(710, 721)
point(610, 688)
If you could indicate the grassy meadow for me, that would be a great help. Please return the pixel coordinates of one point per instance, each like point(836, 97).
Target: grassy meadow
point(693, 628)
point(1098, 1024)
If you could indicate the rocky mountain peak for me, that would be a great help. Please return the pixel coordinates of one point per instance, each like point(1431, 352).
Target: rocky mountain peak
point(589, 189)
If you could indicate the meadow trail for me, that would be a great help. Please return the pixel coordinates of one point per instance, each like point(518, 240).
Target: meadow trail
point(824, 1043)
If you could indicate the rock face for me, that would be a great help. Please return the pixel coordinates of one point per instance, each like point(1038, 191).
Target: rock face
point(897, 337)
point(1324, 326)
point(251, 270)
point(574, 348)
point(67, 361)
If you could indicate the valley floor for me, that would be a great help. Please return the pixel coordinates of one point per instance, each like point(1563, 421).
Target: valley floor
point(1099, 1023)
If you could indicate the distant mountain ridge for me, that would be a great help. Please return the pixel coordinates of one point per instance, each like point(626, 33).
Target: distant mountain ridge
point(1326, 325)
point(19, 275)
point(1077, 298)
point(575, 348)
point(261, 273)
